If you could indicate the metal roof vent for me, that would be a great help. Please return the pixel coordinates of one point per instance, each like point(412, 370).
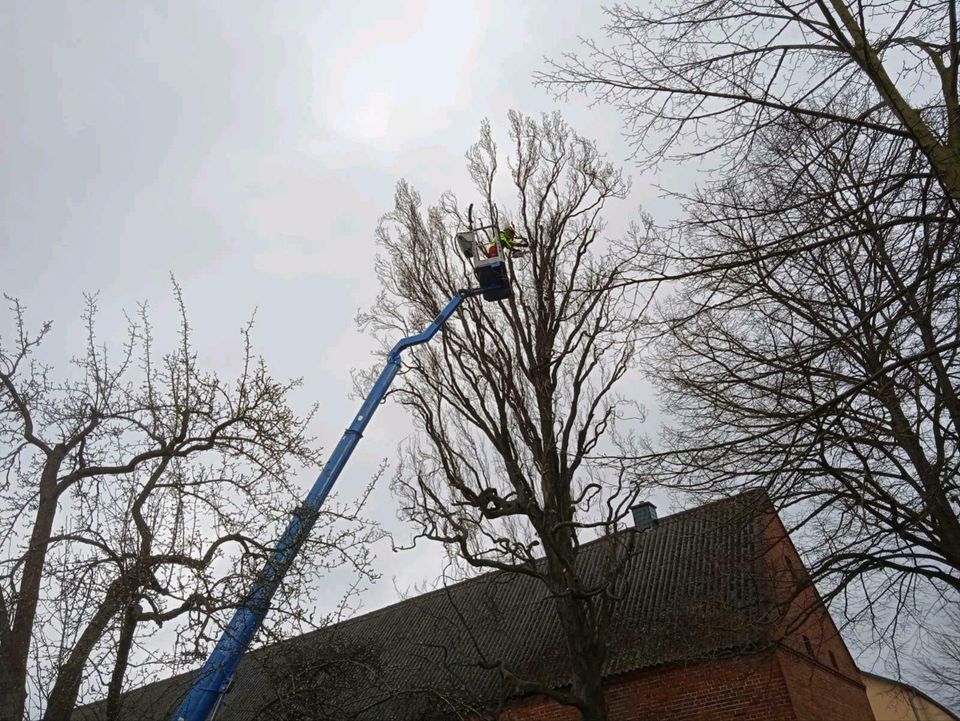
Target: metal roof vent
point(644, 516)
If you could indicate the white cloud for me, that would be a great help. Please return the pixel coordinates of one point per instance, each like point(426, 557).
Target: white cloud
point(292, 260)
point(369, 119)
point(399, 75)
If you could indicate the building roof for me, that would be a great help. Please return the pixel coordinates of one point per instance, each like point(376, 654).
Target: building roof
point(692, 588)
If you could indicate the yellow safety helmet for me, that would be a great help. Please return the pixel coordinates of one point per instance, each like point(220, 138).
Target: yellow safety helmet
point(509, 230)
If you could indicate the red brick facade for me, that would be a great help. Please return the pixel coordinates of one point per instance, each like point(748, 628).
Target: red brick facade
point(818, 693)
point(806, 675)
point(821, 676)
point(778, 686)
point(742, 688)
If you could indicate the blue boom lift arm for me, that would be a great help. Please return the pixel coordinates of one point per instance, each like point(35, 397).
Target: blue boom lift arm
point(214, 678)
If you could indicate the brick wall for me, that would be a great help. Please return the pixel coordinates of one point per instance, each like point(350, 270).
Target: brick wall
point(820, 693)
point(778, 686)
point(807, 675)
point(804, 624)
point(821, 676)
point(742, 688)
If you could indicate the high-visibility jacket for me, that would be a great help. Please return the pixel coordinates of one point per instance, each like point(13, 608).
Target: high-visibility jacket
point(505, 242)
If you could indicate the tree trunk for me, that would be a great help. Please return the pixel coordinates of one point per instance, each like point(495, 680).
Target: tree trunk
point(13, 692)
point(13, 658)
point(590, 689)
point(124, 643)
point(944, 159)
point(587, 655)
point(63, 696)
point(583, 631)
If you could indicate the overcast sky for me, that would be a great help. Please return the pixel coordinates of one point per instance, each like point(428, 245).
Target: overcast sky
point(249, 148)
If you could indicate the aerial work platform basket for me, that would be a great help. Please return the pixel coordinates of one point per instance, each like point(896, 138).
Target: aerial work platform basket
point(489, 264)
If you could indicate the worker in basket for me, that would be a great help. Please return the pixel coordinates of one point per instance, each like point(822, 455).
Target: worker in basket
point(508, 240)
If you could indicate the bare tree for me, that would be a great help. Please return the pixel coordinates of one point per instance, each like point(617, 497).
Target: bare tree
point(941, 670)
point(518, 395)
point(715, 74)
point(811, 345)
point(810, 334)
point(138, 493)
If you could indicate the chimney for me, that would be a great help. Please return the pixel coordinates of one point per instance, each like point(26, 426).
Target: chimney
point(644, 516)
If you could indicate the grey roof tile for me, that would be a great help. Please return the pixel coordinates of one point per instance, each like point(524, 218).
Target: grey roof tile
point(692, 588)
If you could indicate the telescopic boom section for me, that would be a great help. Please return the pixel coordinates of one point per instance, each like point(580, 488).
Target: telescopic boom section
point(215, 676)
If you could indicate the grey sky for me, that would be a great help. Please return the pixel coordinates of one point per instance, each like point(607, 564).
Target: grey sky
point(249, 149)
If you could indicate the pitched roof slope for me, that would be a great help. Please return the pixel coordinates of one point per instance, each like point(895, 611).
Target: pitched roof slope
point(693, 587)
